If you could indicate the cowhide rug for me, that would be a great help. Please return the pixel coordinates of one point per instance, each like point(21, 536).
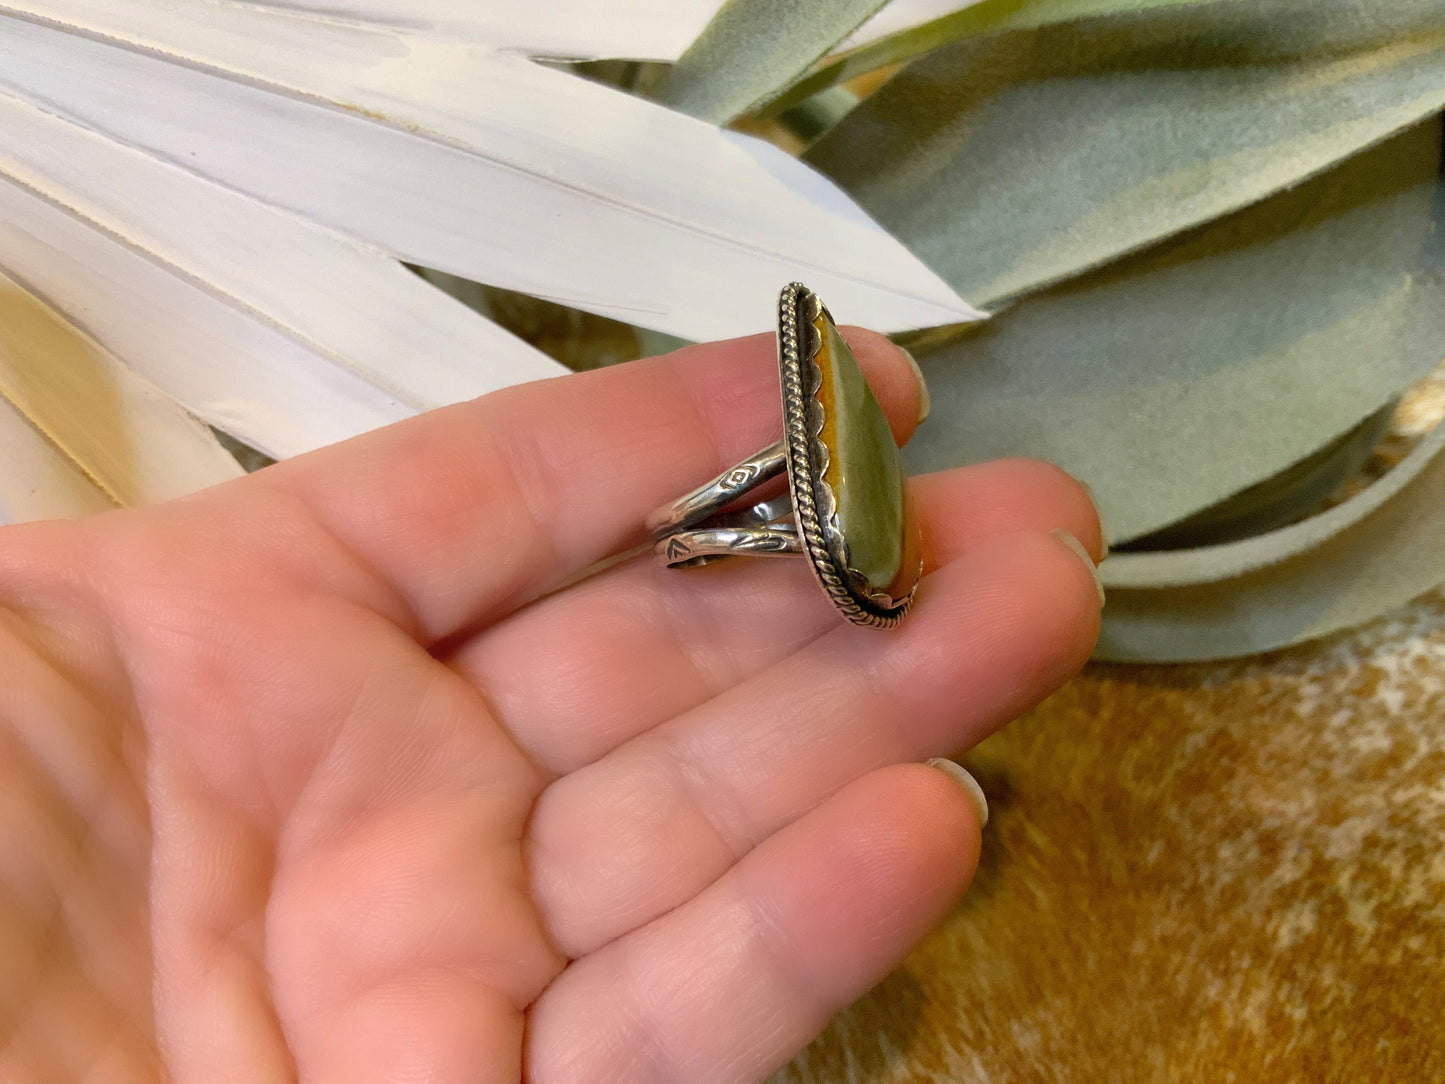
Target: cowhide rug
point(1232, 872)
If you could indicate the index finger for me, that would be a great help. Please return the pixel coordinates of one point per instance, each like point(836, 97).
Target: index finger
point(471, 511)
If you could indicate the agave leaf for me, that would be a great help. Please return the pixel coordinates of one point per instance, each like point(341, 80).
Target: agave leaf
point(901, 16)
point(1376, 551)
point(752, 48)
point(119, 435)
point(1021, 159)
point(1281, 499)
point(1182, 375)
point(904, 31)
point(470, 160)
point(272, 329)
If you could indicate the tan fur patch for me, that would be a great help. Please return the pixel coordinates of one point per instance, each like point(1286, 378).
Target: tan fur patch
point(1208, 873)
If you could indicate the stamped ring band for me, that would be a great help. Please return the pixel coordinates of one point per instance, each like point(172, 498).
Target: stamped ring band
point(845, 505)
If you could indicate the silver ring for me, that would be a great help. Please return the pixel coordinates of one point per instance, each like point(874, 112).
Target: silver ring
point(845, 504)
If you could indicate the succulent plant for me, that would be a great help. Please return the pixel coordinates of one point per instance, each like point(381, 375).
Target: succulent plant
point(1191, 251)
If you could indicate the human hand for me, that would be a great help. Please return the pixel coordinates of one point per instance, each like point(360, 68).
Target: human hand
point(310, 776)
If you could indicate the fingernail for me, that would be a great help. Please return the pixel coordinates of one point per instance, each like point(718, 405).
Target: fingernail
point(959, 775)
point(924, 402)
point(1103, 537)
point(1078, 547)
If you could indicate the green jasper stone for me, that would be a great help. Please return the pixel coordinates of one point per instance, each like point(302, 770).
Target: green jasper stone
point(865, 469)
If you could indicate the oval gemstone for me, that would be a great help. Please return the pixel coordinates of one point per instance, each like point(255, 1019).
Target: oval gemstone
point(865, 471)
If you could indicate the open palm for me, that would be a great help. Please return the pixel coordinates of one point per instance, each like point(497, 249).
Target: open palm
point(310, 775)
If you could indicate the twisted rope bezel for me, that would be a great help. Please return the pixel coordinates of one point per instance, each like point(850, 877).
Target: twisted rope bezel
point(814, 502)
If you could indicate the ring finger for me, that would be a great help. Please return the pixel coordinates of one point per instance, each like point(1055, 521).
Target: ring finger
point(652, 823)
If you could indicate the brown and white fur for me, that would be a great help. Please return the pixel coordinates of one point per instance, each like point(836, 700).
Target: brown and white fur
point(1215, 873)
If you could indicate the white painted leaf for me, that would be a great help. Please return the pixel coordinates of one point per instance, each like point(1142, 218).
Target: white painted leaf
point(122, 437)
point(471, 160)
point(573, 29)
point(270, 328)
point(37, 479)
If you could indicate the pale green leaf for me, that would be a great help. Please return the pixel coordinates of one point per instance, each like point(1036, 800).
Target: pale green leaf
point(1280, 499)
point(754, 47)
point(1021, 159)
point(1182, 375)
point(981, 17)
point(1370, 554)
point(901, 15)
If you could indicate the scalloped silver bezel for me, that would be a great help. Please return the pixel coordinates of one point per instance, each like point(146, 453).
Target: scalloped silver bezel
point(814, 503)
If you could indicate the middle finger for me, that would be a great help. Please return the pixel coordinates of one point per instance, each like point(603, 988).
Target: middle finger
point(581, 672)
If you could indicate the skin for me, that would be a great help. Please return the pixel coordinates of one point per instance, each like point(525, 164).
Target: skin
point(317, 775)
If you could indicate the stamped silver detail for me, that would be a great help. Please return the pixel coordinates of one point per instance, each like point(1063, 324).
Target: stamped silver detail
point(707, 500)
point(688, 548)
